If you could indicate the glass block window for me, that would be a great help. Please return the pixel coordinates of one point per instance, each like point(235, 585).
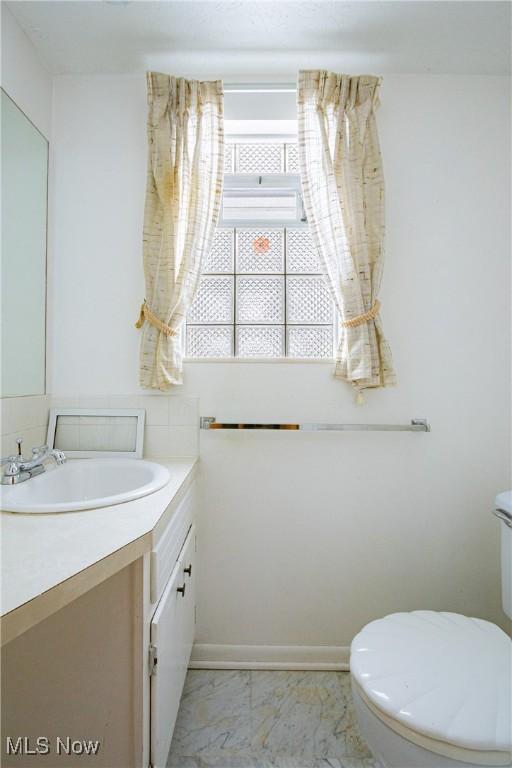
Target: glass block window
point(260, 340)
point(307, 300)
point(301, 257)
point(260, 251)
point(213, 302)
point(261, 158)
point(260, 299)
point(229, 158)
point(222, 253)
point(309, 341)
point(210, 340)
point(292, 158)
point(262, 293)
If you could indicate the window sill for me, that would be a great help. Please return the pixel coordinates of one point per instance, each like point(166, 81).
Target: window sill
point(279, 360)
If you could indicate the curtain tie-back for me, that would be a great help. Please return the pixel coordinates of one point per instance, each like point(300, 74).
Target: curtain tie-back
point(152, 319)
point(360, 319)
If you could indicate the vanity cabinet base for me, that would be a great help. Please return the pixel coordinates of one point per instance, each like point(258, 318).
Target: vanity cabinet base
point(71, 681)
point(99, 681)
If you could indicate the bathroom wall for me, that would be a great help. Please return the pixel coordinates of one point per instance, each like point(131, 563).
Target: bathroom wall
point(305, 537)
point(28, 83)
point(24, 76)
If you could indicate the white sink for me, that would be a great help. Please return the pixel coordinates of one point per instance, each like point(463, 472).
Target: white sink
point(85, 484)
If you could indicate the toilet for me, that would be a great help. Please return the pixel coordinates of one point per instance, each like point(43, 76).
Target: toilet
point(433, 689)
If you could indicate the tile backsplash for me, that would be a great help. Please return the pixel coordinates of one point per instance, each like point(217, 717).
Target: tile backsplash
point(96, 433)
point(172, 422)
point(25, 417)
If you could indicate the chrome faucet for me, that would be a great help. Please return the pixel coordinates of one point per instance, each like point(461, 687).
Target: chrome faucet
point(18, 469)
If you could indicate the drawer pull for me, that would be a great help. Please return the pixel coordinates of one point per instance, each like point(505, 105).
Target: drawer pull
point(182, 590)
point(188, 570)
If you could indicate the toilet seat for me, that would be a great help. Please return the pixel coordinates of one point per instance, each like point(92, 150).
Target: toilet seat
point(441, 680)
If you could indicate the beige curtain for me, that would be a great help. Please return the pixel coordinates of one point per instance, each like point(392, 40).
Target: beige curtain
point(183, 193)
point(343, 185)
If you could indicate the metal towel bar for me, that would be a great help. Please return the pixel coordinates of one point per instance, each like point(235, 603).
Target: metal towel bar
point(416, 425)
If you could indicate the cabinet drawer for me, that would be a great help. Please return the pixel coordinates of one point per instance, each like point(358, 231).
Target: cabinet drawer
point(165, 552)
point(172, 635)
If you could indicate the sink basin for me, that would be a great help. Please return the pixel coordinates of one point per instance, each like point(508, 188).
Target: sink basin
point(85, 484)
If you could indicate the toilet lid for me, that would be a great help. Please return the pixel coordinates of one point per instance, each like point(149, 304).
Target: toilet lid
point(441, 674)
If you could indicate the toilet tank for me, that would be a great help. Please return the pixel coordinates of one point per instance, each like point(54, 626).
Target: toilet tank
point(504, 512)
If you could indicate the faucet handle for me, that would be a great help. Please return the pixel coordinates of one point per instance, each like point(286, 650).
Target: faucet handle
point(39, 450)
point(12, 468)
point(59, 456)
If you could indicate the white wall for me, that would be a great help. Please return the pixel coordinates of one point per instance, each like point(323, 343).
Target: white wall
point(305, 537)
point(24, 77)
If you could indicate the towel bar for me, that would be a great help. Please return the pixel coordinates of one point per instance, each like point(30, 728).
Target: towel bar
point(416, 425)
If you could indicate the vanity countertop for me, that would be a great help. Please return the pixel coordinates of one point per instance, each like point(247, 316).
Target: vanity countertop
point(50, 559)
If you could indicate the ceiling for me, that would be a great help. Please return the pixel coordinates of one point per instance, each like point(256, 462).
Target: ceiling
point(255, 39)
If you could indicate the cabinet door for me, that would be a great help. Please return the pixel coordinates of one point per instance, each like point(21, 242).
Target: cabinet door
point(172, 635)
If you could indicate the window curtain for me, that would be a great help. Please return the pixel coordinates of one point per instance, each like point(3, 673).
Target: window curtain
point(343, 186)
point(184, 184)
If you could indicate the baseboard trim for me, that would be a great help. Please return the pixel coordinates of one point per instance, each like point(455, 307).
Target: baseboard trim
point(285, 657)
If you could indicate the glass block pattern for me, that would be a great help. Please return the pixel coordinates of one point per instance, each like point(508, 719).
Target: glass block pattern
point(260, 341)
point(301, 257)
point(213, 302)
point(310, 341)
point(307, 300)
point(260, 158)
point(260, 300)
point(210, 341)
point(262, 293)
point(220, 258)
point(292, 158)
point(259, 250)
point(229, 158)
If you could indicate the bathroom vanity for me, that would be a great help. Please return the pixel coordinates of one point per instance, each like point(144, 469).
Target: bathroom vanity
point(98, 619)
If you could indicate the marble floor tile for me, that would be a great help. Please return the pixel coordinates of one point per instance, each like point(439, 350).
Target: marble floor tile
point(303, 715)
point(346, 762)
point(256, 762)
point(355, 746)
point(214, 714)
point(271, 719)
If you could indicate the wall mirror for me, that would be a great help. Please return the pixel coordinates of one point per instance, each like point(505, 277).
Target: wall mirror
point(23, 264)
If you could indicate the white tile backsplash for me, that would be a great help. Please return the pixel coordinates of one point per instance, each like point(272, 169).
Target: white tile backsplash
point(96, 433)
point(21, 413)
point(156, 442)
point(183, 441)
point(106, 437)
point(69, 437)
point(31, 437)
point(94, 401)
point(157, 410)
point(25, 417)
point(184, 411)
point(172, 440)
point(172, 422)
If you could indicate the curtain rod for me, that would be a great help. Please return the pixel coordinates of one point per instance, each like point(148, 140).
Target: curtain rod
point(260, 87)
